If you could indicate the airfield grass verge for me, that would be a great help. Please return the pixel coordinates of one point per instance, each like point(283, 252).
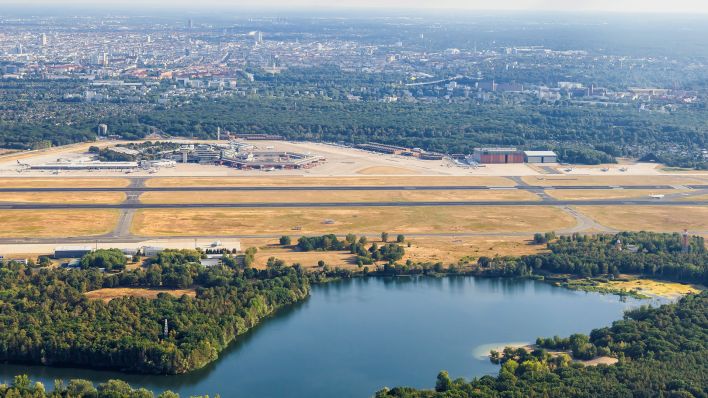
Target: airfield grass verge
point(63, 197)
point(334, 196)
point(408, 219)
point(60, 182)
point(328, 181)
point(565, 180)
point(593, 194)
point(649, 218)
point(56, 223)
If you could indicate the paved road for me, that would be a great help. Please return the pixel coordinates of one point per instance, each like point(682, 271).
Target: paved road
point(135, 205)
point(141, 188)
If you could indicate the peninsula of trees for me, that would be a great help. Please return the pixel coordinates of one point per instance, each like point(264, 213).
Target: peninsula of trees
point(48, 320)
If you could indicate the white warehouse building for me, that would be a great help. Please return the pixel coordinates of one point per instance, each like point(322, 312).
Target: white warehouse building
point(540, 157)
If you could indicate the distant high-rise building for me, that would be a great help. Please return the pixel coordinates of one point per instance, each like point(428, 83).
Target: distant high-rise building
point(104, 59)
point(18, 49)
point(259, 37)
point(190, 23)
point(43, 39)
point(149, 39)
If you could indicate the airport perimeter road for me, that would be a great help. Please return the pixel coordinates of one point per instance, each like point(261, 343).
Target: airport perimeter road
point(346, 188)
point(134, 205)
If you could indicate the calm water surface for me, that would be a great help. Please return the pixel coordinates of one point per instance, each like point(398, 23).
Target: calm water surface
point(353, 337)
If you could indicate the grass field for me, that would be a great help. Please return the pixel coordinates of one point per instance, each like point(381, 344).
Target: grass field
point(592, 194)
point(615, 180)
point(327, 181)
point(451, 249)
point(448, 250)
point(63, 197)
point(649, 218)
point(60, 182)
point(108, 294)
point(334, 196)
point(56, 223)
point(185, 222)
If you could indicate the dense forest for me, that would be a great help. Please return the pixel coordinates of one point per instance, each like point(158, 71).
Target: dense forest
point(47, 320)
point(589, 135)
point(639, 253)
point(23, 387)
point(449, 128)
point(662, 353)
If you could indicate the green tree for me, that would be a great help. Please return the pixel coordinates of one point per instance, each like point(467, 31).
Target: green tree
point(443, 382)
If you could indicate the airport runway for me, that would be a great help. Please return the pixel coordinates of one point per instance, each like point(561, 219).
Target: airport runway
point(136, 205)
point(347, 188)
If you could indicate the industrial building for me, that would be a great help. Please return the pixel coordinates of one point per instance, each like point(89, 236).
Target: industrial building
point(540, 157)
point(382, 148)
point(260, 137)
point(72, 251)
point(399, 150)
point(272, 160)
point(497, 155)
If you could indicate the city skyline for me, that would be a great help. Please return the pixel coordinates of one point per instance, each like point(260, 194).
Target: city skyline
point(678, 6)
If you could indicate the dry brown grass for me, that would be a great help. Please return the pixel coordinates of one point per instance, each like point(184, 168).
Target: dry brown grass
point(306, 259)
point(565, 180)
point(63, 197)
point(80, 147)
point(56, 223)
point(334, 196)
point(185, 222)
point(649, 218)
point(446, 250)
point(328, 181)
point(451, 249)
point(60, 182)
point(655, 288)
point(386, 170)
point(108, 294)
point(592, 194)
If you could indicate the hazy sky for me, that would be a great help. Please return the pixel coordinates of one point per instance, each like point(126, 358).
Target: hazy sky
point(690, 6)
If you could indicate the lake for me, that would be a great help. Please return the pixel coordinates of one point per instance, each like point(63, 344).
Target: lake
point(353, 337)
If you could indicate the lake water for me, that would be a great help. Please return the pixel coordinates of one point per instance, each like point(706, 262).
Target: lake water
point(353, 337)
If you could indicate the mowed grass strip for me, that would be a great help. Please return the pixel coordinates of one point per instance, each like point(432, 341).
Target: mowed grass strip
point(649, 218)
point(599, 194)
point(413, 219)
point(565, 180)
point(328, 181)
point(59, 182)
point(334, 196)
point(63, 197)
point(56, 223)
